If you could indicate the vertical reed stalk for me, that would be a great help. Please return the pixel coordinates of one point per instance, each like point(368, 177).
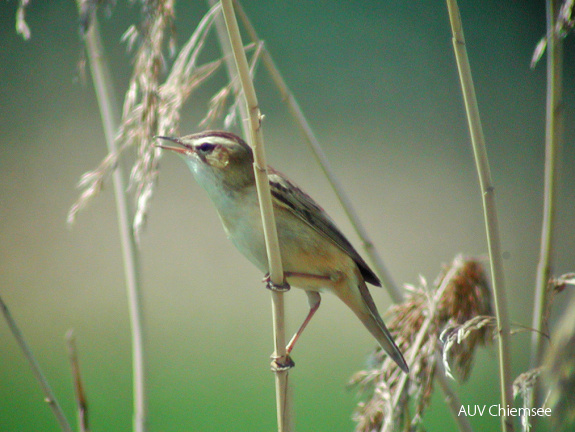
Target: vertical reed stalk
point(108, 111)
point(270, 232)
point(553, 138)
point(49, 397)
point(490, 214)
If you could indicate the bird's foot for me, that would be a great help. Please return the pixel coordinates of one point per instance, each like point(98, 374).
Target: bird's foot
point(280, 364)
point(273, 287)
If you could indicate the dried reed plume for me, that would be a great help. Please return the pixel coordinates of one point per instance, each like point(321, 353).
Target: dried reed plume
point(150, 107)
point(461, 294)
point(466, 317)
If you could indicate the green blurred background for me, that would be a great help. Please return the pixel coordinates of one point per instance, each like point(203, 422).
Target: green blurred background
point(377, 81)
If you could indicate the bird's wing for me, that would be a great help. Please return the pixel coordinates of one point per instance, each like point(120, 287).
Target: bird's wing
point(302, 205)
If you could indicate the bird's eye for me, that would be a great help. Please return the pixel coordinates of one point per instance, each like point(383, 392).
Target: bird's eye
point(206, 147)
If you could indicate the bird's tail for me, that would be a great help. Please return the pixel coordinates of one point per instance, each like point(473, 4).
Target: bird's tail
point(369, 316)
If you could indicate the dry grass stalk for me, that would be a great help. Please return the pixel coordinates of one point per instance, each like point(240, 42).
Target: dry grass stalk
point(79, 393)
point(105, 93)
point(554, 118)
point(416, 325)
point(49, 396)
point(489, 209)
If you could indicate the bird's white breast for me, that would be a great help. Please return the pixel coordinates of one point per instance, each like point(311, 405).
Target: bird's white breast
point(240, 215)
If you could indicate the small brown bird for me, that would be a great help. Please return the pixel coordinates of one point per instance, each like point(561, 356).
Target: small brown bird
point(315, 254)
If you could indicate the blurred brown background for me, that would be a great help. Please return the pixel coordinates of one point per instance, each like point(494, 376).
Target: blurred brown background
point(378, 83)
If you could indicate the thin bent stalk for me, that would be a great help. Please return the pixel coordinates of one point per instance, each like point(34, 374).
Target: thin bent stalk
point(270, 231)
point(553, 132)
point(228, 57)
point(80, 396)
point(49, 397)
point(490, 214)
point(105, 94)
point(553, 138)
point(287, 96)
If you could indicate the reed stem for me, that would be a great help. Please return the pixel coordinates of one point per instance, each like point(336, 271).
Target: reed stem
point(553, 138)
point(283, 400)
point(49, 396)
point(489, 210)
point(108, 111)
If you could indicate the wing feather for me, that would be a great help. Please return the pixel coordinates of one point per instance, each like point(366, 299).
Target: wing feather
point(303, 206)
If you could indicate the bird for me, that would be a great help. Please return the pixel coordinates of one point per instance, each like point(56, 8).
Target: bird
point(316, 256)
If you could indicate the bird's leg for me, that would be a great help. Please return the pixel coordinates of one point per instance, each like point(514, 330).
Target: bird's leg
point(314, 300)
point(281, 364)
point(286, 286)
point(273, 287)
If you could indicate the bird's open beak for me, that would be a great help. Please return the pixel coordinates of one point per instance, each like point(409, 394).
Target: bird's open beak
point(183, 150)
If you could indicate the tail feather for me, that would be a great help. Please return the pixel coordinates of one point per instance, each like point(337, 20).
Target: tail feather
point(373, 322)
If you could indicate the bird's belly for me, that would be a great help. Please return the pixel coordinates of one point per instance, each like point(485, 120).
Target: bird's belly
point(313, 261)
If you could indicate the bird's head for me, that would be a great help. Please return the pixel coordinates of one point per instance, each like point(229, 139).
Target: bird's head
point(215, 155)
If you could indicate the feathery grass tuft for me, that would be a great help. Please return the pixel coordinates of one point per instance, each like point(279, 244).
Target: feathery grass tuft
point(150, 108)
point(416, 325)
